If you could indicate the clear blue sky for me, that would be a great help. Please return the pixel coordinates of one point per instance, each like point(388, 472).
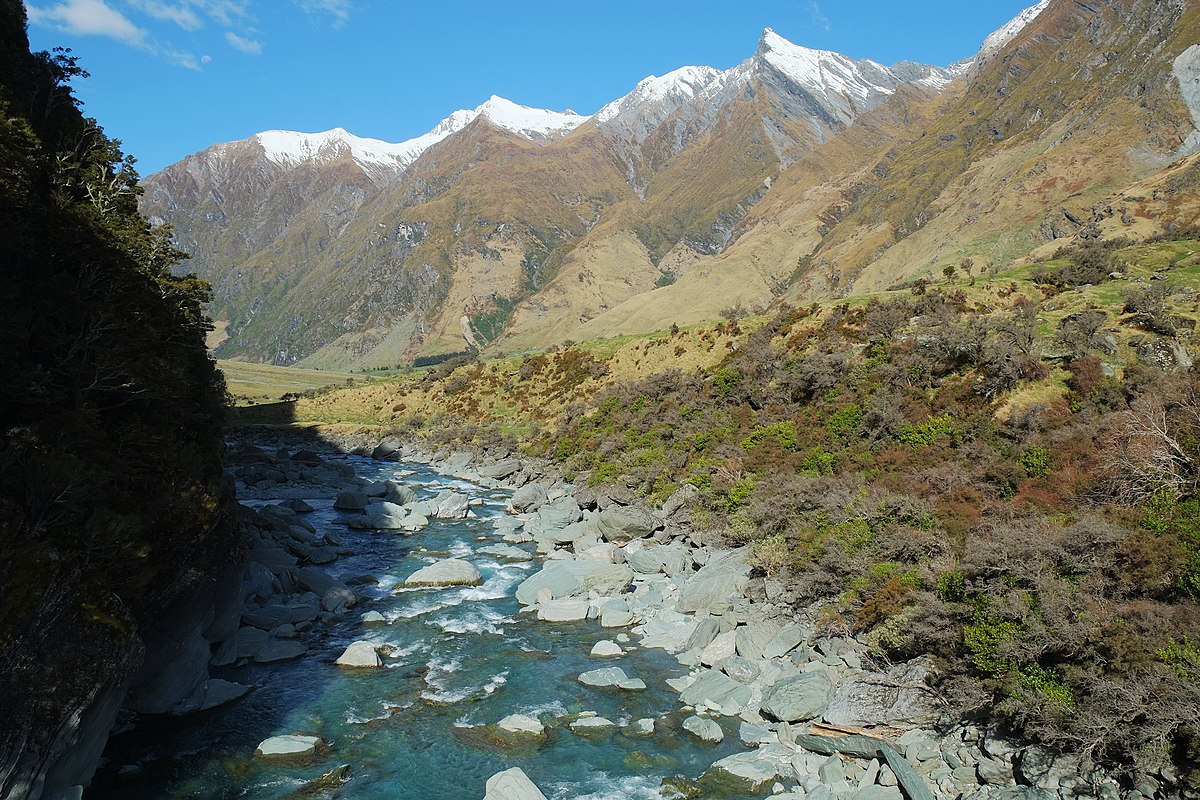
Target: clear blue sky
point(171, 77)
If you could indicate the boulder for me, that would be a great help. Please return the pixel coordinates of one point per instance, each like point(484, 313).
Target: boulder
point(447, 572)
point(641, 727)
point(529, 497)
point(567, 609)
point(351, 500)
point(704, 729)
point(373, 618)
point(382, 516)
point(360, 654)
point(785, 641)
point(761, 766)
point(592, 723)
point(569, 578)
point(621, 524)
point(715, 688)
point(521, 724)
point(606, 649)
point(268, 617)
point(290, 745)
point(801, 697)
point(388, 449)
point(280, 650)
point(719, 648)
point(892, 699)
point(506, 552)
point(501, 469)
point(605, 676)
point(512, 784)
point(752, 639)
point(250, 641)
point(452, 505)
point(399, 493)
point(710, 590)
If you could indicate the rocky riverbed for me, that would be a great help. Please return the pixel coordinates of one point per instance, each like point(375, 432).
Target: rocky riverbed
point(463, 625)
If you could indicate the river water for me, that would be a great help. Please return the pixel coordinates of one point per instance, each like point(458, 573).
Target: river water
point(462, 658)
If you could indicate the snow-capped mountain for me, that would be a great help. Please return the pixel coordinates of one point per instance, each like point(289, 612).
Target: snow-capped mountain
point(1007, 32)
point(337, 249)
point(291, 148)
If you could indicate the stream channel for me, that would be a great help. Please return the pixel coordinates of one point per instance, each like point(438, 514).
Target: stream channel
point(463, 658)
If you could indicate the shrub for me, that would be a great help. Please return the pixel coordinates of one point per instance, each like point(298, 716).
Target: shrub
point(782, 432)
point(1036, 461)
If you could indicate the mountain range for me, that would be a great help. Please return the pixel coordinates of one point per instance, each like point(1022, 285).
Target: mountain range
point(796, 175)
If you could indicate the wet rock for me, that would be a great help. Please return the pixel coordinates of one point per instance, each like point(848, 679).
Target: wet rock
point(641, 727)
point(447, 572)
point(759, 767)
point(373, 618)
point(704, 729)
point(606, 676)
point(289, 745)
point(360, 654)
point(592, 723)
point(606, 649)
point(506, 552)
point(326, 782)
point(522, 724)
point(280, 650)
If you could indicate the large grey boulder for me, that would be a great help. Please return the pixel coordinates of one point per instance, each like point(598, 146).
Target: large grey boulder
point(605, 676)
point(351, 500)
point(382, 516)
point(715, 688)
point(718, 581)
point(447, 572)
point(566, 609)
point(501, 469)
point(704, 729)
point(529, 497)
point(621, 524)
point(451, 505)
point(512, 784)
point(553, 517)
point(788, 638)
point(893, 699)
point(753, 639)
point(388, 449)
point(280, 650)
point(360, 654)
point(399, 494)
point(521, 724)
point(801, 697)
point(289, 745)
point(761, 766)
point(570, 578)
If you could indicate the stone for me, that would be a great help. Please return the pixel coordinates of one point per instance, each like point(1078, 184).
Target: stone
point(620, 524)
point(506, 552)
point(752, 639)
point(615, 618)
point(521, 724)
point(753, 734)
point(719, 648)
point(267, 617)
point(399, 494)
point(567, 609)
point(569, 578)
point(360, 654)
point(250, 641)
point(605, 676)
point(511, 784)
point(761, 766)
point(382, 516)
point(280, 650)
point(704, 729)
point(641, 727)
point(713, 687)
point(373, 618)
point(740, 669)
point(325, 782)
point(289, 745)
point(387, 449)
point(594, 723)
point(880, 700)
point(451, 505)
point(606, 649)
point(529, 497)
point(875, 792)
point(446, 572)
point(351, 500)
point(802, 697)
point(723, 577)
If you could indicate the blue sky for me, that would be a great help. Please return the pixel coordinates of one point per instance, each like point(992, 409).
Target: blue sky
point(171, 77)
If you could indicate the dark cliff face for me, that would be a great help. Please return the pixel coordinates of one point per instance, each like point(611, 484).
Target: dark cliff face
point(111, 500)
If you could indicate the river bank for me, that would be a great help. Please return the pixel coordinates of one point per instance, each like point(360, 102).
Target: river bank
point(673, 665)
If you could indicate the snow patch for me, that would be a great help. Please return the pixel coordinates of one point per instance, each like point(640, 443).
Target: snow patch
point(675, 87)
point(1007, 32)
point(823, 71)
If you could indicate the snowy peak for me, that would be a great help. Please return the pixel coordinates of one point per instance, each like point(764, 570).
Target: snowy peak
point(535, 124)
point(831, 75)
point(1010, 29)
point(290, 148)
point(660, 93)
